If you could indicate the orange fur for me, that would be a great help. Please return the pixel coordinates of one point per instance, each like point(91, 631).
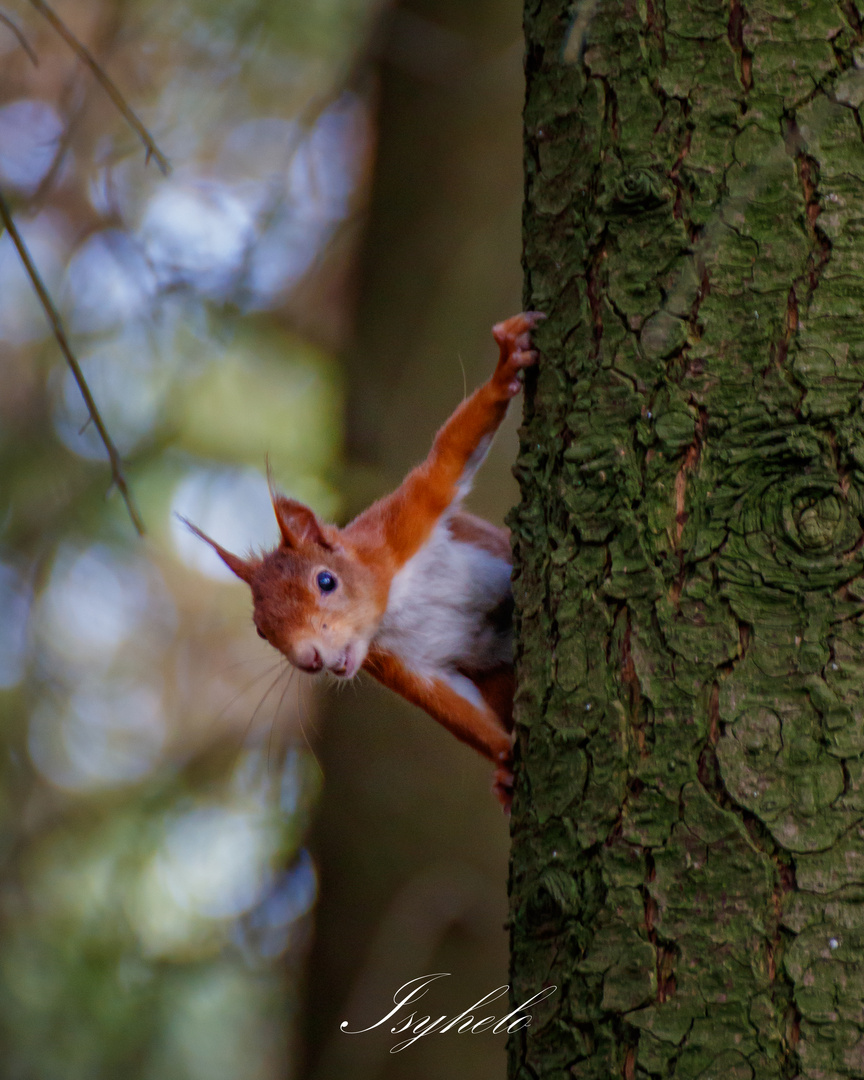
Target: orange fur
point(468, 529)
point(414, 590)
point(479, 727)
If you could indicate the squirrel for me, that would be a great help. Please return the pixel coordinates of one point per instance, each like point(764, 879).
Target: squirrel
point(415, 590)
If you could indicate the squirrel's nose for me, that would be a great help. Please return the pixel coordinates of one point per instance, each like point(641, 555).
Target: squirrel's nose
point(309, 660)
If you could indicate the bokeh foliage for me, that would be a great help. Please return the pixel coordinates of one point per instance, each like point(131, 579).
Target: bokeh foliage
point(155, 798)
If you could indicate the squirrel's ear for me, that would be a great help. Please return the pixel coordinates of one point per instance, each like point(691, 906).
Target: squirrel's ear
point(241, 567)
point(298, 524)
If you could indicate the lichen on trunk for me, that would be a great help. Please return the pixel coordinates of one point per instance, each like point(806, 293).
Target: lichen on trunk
point(688, 827)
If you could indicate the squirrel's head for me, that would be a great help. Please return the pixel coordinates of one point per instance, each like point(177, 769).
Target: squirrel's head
point(315, 601)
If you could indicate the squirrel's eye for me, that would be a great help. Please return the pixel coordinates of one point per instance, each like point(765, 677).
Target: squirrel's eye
point(326, 581)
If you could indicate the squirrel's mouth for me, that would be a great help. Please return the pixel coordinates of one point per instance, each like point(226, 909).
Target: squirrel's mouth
point(347, 663)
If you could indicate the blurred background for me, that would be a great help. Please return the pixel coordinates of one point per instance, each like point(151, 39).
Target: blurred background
point(208, 863)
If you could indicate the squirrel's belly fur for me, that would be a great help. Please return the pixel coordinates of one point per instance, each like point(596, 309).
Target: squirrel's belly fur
point(449, 608)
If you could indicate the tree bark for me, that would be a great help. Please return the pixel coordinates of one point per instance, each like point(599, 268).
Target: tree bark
point(688, 847)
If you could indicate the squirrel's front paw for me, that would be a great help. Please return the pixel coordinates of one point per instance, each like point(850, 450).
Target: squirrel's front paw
point(514, 339)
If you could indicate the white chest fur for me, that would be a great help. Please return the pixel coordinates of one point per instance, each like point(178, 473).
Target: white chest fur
point(441, 611)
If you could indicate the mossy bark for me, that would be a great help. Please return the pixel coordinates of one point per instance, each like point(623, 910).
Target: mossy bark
point(688, 828)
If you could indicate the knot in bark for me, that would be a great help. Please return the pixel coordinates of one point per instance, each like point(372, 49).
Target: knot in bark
point(639, 191)
point(816, 519)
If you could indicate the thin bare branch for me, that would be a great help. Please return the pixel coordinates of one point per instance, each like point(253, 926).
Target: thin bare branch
point(56, 323)
point(22, 41)
point(106, 83)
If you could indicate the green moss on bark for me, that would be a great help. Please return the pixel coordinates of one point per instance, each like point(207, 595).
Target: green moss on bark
point(688, 831)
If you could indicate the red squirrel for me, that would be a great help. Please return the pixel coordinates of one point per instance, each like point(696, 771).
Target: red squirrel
point(415, 590)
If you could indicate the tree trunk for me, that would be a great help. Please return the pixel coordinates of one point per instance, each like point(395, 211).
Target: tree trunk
point(688, 847)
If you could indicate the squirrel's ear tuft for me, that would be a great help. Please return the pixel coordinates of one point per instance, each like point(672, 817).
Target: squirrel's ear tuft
point(242, 568)
point(298, 524)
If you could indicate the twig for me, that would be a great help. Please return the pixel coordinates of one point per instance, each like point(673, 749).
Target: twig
point(106, 84)
point(22, 41)
point(56, 323)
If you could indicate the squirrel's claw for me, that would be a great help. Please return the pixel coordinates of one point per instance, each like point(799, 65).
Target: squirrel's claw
point(502, 787)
